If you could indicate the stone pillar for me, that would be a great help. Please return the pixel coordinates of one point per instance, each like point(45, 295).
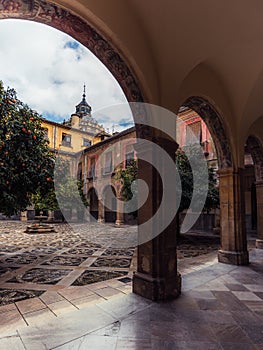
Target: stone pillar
point(74, 215)
point(23, 215)
point(259, 191)
point(101, 211)
point(232, 218)
point(119, 213)
point(50, 215)
point(156, 277)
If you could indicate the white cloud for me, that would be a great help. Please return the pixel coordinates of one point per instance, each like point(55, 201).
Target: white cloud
point(48, 69)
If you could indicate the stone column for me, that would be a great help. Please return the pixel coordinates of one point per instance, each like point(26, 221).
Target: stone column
point(259, 191)
point(156, 277)
point(23, 215)
point(119, 213)
point(232, 218)
point(74, 215)
point(50, 215)
point(87, 214)
point(101, 211)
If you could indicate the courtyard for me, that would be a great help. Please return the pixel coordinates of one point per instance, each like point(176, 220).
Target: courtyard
point(78, 258)
point(72, 290)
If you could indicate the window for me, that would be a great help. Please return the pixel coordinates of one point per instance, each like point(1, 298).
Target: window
point(193, 133)
point(86, 142)
point(66, 140)
point(108, 163)
point(46, 133)
point(79, 174)
point(91, 169)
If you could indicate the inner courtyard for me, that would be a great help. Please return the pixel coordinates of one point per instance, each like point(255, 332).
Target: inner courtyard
point(119, 288)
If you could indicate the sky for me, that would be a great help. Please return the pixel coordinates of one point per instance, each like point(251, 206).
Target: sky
point(48, 69)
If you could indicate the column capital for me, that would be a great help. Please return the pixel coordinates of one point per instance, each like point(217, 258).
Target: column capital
point(229, 171)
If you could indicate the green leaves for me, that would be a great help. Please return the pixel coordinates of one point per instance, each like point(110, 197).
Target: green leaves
point(25, 159)
point(126, 176)
point(186, 176)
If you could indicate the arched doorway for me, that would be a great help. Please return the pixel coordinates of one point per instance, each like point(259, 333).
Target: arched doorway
point(110, 204)
point(93, 203)
point(232, 204)
point(196, 149)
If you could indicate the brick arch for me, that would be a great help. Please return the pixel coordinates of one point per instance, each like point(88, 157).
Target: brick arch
point(217, 130)
point(255, 148)
point(65, 21)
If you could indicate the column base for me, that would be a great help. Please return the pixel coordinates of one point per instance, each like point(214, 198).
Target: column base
point(119, 222)
point(156, 288)
point(233, 258)
point(101, 221)
point(259, 243)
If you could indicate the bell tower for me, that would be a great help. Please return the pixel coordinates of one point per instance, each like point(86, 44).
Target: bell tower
point(83, 108)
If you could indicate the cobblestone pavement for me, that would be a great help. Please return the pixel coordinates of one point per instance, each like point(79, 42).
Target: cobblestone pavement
point(31, 264)
point(220, 308)
point(34, 265)
point(49, 302)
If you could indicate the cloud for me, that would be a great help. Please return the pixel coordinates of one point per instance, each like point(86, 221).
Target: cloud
point(48, 69)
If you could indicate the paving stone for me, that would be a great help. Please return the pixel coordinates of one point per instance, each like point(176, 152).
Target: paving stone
point(87, 301)
point(72, 293)
point(50, 297)
point(10, 321)
point(30, 305)
point(39, 317)
point(64, 329)
point(108, 292)
point(250, 296)
point(90, 342)
point(62, 307)
point(12, 343)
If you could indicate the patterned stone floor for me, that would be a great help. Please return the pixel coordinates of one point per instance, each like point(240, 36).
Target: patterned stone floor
point(31, 264)
point(76, 255)
point(220, 308)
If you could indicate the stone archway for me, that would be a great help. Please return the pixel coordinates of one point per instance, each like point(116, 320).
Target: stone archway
point(232, 203)
point(61, 19)
point(216, 127)
point(255, 149)
point(110, 204)
point(93, 203)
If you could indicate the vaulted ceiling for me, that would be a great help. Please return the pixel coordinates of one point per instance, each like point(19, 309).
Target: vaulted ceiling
point(183, 48)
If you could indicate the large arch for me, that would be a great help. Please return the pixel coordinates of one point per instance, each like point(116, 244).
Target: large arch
point(93, 203)
point(216, 127)
point(62, 19)
point(110, 204)
point(254, 147)
point(232, 203)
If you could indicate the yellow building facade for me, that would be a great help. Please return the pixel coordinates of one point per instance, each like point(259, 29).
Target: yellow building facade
point(76, 134)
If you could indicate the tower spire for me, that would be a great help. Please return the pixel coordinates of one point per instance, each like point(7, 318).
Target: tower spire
point(83, 108)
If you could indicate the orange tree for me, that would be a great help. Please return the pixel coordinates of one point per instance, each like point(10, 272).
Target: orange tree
point(26, 163)
point(66, 195)
point(126, 176)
